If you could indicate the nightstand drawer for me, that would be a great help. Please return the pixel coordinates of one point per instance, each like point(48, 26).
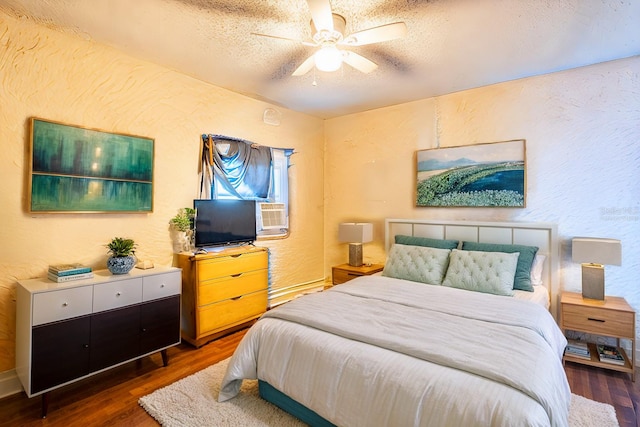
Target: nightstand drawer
point(345, 272)
point(341, 276)
point(598, 321)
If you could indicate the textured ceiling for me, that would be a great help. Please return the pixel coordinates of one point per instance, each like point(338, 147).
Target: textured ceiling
point(451, 45)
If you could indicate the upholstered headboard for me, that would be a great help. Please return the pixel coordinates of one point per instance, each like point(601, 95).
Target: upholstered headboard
point(540, 234)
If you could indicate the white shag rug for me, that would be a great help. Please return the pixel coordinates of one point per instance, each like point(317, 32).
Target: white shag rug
point(193, 402)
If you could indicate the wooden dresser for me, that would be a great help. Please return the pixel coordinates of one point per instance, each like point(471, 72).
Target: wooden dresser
point(222, 291)
point(72, 330)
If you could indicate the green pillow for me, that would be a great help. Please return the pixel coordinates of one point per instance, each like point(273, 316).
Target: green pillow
point(426, 241)
point(417, 263)
point(482, 271)
point(525, 260)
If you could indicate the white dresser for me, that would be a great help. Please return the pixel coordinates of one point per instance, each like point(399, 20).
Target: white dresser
point(69, 331)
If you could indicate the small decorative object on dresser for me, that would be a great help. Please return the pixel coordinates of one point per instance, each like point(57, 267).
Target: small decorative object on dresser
point(182, 229)
point(122, 257)
point(345, 272)
point(613, 317)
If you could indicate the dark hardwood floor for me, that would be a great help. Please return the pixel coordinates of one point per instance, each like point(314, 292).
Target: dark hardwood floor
point(111, 398)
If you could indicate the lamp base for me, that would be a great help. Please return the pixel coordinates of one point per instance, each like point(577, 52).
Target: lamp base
point(355, 254)
point(593, 281)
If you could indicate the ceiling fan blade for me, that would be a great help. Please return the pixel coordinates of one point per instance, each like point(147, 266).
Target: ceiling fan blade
point(382, 33)
point(304, 42)
point(359, 62)
point(305, 67)
point(321, 14)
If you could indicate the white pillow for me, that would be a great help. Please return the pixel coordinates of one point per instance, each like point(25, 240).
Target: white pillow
point(417, 263)
point(536, 270)
point(489, 272)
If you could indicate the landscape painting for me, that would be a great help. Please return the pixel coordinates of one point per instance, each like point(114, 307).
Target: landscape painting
point(483, 175)
point(74, 169)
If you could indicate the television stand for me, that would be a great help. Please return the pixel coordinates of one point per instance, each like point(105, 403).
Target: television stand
point(221, 290)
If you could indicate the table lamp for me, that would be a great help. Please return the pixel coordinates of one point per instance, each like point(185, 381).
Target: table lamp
point(355, 233)
point(594, 253)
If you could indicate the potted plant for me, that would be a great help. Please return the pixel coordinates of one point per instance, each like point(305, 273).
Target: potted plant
point(182, 225)
point(122, 253)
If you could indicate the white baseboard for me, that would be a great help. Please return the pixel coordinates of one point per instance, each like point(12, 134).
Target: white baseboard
point(9, 383)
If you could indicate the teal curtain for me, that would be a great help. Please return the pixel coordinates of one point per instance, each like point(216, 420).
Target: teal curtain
point(243, 170)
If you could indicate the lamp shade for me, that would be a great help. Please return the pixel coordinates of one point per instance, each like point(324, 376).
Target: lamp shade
point(355, 232)
point(596, 250)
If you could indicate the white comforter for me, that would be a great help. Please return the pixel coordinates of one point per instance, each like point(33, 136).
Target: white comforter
point(386, 352)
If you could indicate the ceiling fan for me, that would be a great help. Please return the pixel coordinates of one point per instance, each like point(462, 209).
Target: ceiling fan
point(328, 33)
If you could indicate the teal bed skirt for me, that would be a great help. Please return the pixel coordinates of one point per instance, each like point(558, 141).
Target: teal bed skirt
point(287, 404)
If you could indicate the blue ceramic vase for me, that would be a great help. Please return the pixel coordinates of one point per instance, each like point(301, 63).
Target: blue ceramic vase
point(120, 264)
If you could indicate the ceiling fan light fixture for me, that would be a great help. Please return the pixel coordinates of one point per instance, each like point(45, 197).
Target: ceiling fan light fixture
point(328, 58)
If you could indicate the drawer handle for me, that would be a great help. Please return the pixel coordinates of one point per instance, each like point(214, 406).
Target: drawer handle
point(236, 275)
point(595, 320)
point(236, 256)
point(162, 285)
point(354, 274)
point(118, 294)
point(236, 298)
point(65, 304)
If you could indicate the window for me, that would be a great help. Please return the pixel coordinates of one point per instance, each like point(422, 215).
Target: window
point(244, 170)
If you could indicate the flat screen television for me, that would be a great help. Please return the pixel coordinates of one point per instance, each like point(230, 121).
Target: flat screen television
point(224, 222)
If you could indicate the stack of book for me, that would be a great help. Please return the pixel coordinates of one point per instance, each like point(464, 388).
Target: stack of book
point(610, 354)
point(578, 348)
point(68, 272)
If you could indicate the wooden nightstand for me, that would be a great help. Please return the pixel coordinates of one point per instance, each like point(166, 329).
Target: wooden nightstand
point(612, 317)
point(345, 272)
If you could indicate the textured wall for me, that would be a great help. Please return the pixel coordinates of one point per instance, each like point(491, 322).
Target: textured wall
point(582, 131)
point(54, 76)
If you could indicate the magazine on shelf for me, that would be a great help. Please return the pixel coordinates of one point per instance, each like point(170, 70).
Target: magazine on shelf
point(586, 356)
point(68, 269)
point(577, 345)
point(578, 349)
point(61, 279)
point(610, 354)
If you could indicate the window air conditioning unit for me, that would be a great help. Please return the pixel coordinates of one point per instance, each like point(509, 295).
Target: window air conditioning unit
point(273, 215)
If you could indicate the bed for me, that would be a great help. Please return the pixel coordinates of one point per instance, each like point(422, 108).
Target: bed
point(418, 345)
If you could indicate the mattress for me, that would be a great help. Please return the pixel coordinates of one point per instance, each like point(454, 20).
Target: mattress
point(383, 351)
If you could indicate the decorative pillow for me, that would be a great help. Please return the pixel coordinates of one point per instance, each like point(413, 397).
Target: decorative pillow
point(417, 263)
point(527, 254)
point(426, 241)
point(536, 270)
point(489, 272)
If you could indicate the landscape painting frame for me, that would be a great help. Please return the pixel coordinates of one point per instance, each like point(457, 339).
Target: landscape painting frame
point(80, 170)
point(481, 175)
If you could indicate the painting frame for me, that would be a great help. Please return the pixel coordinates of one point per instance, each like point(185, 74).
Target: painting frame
point(480, 175)
point(74, 169)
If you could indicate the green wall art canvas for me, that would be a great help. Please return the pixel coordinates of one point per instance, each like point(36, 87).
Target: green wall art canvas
point(482, 175)
point(74, 169)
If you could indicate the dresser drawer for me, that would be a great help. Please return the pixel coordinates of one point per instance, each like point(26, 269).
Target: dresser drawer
point(110, 295)
point(598, 321)
point(225, 314)
point(161, 285)
point(63, 304)
point(229, 265)
point(228, 287)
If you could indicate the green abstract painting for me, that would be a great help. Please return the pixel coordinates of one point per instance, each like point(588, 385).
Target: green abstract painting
point(74, 169)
